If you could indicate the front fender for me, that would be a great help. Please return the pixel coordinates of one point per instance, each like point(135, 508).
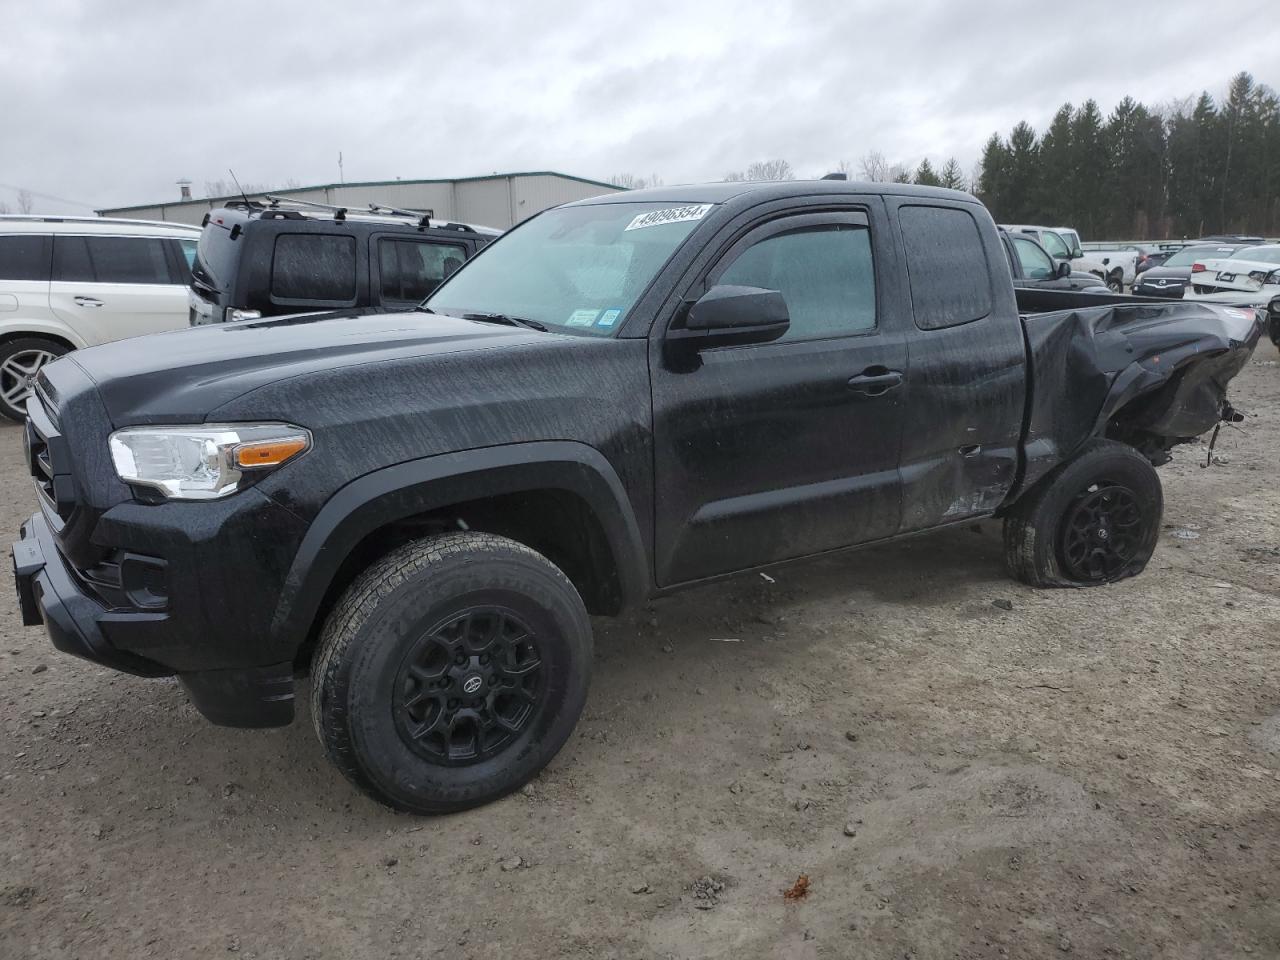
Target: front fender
point(431, 483)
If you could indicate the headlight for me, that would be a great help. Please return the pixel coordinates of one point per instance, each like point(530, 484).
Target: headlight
point(203, 462)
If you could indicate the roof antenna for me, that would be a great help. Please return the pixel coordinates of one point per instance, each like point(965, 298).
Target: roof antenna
point(238, 187)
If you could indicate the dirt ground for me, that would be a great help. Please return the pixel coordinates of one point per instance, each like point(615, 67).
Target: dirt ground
point(960, 766)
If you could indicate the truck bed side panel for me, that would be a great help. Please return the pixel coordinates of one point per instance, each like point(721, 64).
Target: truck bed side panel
point(1159, 368)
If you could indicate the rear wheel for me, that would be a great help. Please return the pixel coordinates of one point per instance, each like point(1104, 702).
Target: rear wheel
point(451, 672)
point(1093, 520)
point(20, 361)
point(1115, 283)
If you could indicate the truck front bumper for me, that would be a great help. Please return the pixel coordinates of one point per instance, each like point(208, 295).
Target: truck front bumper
point(49, 593)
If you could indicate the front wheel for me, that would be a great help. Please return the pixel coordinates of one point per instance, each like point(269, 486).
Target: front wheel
point(20, 361)
point(1092, 520)
point(451, 672)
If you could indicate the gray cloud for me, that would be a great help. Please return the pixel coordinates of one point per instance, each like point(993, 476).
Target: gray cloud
point(111, 103)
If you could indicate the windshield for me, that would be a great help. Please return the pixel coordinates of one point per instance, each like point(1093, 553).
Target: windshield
point(1056, 246)
point(1258, 254)
point(580, 269)
point(1189, 255)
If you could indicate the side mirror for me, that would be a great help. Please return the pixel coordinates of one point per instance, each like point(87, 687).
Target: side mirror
point(1064, 269)
point(727, 316)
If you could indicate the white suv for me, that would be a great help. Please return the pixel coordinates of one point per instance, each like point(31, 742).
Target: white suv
point(68, 282)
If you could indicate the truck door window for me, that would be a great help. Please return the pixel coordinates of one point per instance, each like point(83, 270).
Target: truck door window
point(946, 266)
point(824, 272)
point(410, 270)
point(314, 267)
point(1036, 264)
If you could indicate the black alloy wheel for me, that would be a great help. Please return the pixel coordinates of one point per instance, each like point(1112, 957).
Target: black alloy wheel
point(1102, 533)
point(469, 686)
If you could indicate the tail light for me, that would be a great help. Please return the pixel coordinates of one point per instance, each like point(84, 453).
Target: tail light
point(1197, 268)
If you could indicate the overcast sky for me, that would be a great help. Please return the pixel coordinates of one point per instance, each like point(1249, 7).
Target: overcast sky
point(109, 103)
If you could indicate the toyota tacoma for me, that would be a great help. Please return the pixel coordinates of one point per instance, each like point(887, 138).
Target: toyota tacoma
point(619, 398)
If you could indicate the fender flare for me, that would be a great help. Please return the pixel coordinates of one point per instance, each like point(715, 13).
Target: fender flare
point(419, 486)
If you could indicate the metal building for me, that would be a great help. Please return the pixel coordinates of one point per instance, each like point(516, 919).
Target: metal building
point(501, 200)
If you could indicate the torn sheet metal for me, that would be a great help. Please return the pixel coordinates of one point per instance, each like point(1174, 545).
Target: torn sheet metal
point(1159, 367)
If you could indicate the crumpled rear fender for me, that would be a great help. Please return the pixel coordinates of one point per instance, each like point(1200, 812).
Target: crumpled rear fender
point(1160, 368)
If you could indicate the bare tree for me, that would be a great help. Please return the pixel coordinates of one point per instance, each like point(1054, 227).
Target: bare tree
point(26, 202)
point(630, 181)
point(875, 167)
point(770, 170)
point(735, 176)
point(4, 208)
point(226, 188)
point(899, 173)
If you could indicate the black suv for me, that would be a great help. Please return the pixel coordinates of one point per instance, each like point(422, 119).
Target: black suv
point(257, 260)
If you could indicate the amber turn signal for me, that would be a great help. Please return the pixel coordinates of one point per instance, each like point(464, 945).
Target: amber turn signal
point(268, 453)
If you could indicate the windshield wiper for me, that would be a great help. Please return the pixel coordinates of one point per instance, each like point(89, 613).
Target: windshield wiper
point(509, 320)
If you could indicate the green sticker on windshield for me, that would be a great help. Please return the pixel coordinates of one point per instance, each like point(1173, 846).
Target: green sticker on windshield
point(582, 318)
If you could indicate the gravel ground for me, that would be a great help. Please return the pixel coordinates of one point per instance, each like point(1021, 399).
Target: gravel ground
point(959, 766)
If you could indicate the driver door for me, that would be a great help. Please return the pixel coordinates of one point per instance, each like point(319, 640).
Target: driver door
point(780, 450)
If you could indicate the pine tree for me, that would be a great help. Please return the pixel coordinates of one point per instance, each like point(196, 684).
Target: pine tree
point(1024, 178)
point(993, 176)
point(1089, 171)
point(925, 176)
point(952, 178)
point(1057, 201)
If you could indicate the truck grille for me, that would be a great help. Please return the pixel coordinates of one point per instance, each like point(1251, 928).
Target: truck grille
point(48, 461)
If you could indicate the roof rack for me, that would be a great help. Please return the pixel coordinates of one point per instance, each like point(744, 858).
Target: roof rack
point(423, 216)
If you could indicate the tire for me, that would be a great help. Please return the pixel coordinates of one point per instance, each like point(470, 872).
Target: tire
point(20, 361)
point(1094, 519)
point(1115, 283)
point(387, 669)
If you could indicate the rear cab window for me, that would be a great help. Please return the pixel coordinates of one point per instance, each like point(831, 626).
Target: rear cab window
point(947, 268)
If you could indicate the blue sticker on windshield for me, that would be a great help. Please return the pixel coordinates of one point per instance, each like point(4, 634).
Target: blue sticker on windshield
point(609, 317)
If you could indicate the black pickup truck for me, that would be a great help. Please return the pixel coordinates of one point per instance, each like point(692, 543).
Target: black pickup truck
point(619, 398)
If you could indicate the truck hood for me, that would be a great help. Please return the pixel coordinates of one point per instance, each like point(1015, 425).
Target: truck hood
point(179, 377)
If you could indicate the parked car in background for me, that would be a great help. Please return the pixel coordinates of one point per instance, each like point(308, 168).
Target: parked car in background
point(263, 260)
point(1111, 255)
point(1171, 277)
point(1155, 254)
point(1033, 268)
point(72, 282)
point(1248, 278)
point(1063, 243)
point(621, 397)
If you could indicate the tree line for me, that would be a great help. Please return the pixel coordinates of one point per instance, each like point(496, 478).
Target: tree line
point(1191, 168)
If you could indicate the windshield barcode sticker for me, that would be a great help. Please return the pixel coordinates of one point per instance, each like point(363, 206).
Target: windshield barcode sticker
point(656, 218)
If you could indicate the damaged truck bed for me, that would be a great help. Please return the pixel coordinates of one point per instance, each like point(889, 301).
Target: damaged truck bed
point(620, 397)
point(1147, 372)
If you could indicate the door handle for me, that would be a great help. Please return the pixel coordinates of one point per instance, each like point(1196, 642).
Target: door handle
point(875, 381)
point(88, 302)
